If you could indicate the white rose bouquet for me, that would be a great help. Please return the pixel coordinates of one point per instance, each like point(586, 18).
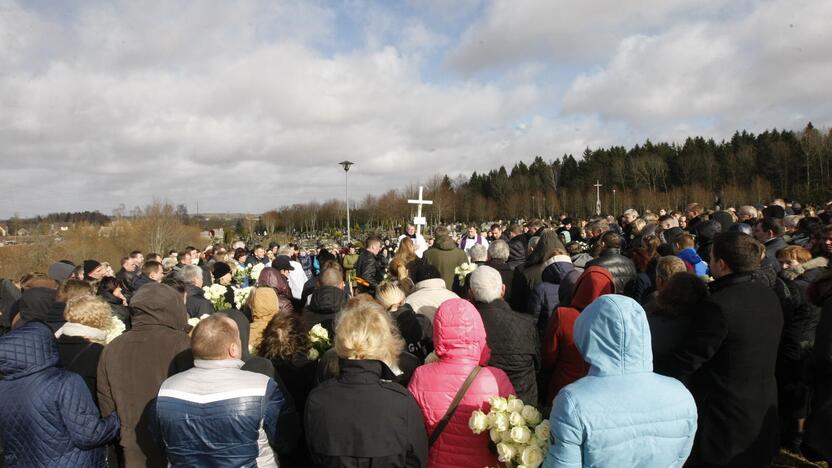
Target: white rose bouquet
point(242, 274)
point(320, 341)
point(241, 296)
point(519, 431)
point(117, 327)
point(216, 294)
point(254, 272)
point(463, 271)
point(194, 321)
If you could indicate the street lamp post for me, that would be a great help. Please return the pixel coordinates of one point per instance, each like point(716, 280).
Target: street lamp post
point(614, 206)
point(346, 165)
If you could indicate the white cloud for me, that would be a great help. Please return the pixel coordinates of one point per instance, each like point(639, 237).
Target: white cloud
point(769, 68)
point(516, 31)
point(246, 106)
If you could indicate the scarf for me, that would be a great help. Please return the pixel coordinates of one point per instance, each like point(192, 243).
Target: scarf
point(84, 331)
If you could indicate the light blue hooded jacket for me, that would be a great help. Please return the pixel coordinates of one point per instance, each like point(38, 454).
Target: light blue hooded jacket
point(621, 413)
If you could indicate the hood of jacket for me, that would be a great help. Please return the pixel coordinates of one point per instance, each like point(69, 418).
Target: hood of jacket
point(689, 255)
point(444, 243)
point(594, 282)
point(549, 241)
point(263, 303)
point(557, 270)
point(327, 300)
point(158, 304)
point(613, 336)
point(28, 349)
point(275, 279)
point(35, 304)
point(458, 333)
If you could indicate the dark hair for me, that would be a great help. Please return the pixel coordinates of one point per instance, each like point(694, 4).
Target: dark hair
point(181, 255)
point(283, 338)
point(422, 271)
point(135, 253)
point(740, 251)
point(109, 284)
point(775, 225)
point(682, 291)
point(176, 284)
point(151, 266)
point(611, 240)
point(239, 253)
point(153, 256)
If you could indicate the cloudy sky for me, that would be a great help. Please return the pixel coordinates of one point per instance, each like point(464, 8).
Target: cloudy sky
point(249, 105)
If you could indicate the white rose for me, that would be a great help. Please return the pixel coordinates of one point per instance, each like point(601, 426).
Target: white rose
point(516, 419)
point(514, 405)
point(501, 422)
point(496, 436)
point(521, 434)
point(542, 433)
point(498, 403)
point(531, 415)
point(532, 456)
point(478, 422)
point(193, 322)
point(319, 333)
point(505, 452)
point(313, 354)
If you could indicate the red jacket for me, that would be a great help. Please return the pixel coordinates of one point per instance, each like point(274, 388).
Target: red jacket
point(459, 340)
point(562, 361)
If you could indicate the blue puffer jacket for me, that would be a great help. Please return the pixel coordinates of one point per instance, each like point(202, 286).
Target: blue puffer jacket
point(47, 415)
point(621, 413)
point(218, 415)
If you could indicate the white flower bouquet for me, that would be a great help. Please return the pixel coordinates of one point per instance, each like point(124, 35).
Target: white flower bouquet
point(117, 327)
point(241, 296)
point(463, 271)
point(519, 431)
point(242, 274)
point(254, 272)
point(216, 294)
point(194, 321)
point(320, 341)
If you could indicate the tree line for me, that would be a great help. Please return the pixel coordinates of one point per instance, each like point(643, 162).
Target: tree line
point(746, 169)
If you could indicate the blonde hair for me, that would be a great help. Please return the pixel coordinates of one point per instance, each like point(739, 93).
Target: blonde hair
point(668, 266)
point(89, 310)
point(794, 252)
point(389, 294)
point(71, 289)
point(364, 330)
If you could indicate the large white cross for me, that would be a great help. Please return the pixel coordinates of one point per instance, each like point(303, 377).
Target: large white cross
point(598, 197)
point(419, 221)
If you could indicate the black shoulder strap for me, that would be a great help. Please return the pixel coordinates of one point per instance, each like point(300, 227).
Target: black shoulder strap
point(454, 404)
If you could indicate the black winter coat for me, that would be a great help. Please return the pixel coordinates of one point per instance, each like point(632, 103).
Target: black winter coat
point(819, 374)
point(515, 346)
point(196, 304)
point(324, 303)
point(79, 355)
point(517, 247)
point(507, 274)
point(416, 330)
point(728, 363)
point(622, 269)
point(362, 419)
point(370, 268)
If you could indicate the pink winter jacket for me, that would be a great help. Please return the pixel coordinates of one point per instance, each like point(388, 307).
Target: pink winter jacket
point(459, 340)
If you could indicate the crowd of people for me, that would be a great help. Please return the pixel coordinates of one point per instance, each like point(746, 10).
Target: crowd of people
point(695, 338)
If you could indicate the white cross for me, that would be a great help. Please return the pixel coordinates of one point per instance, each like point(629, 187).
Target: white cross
point(598, 197)
point(419, 221)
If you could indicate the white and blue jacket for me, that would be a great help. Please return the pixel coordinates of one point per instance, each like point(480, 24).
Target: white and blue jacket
point(218, 415)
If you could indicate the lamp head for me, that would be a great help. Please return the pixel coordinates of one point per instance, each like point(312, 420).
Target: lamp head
point(346, 165)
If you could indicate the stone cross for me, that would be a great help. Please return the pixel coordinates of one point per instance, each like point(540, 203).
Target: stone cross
point(597, 197)
point(419, 221)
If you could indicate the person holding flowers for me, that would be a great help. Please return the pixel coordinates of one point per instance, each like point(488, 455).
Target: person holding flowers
point(460, 344)
point(621, 413)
